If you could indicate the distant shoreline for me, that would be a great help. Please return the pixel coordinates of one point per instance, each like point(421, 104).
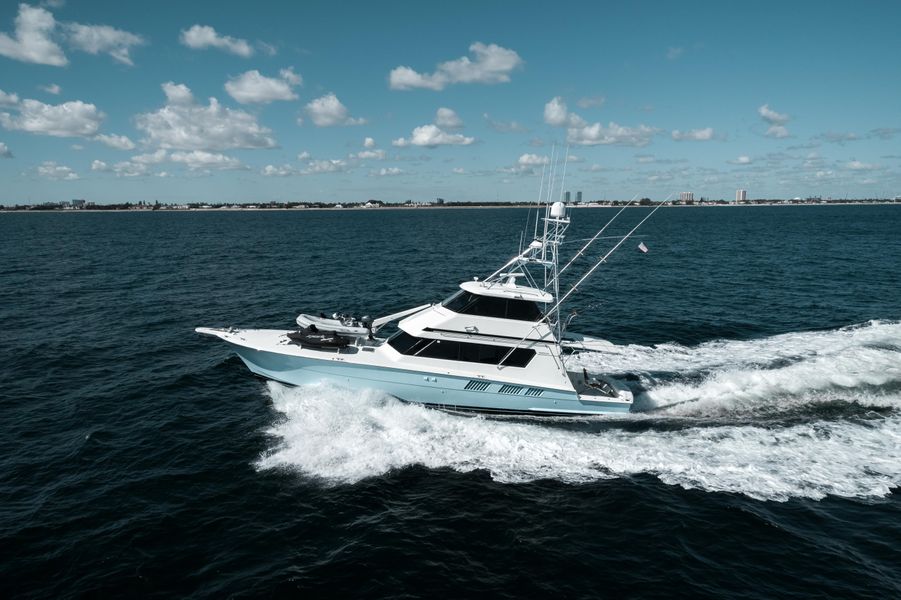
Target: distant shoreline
point(418, 208)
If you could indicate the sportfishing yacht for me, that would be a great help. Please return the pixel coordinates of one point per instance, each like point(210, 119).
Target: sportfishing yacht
point(496, 345)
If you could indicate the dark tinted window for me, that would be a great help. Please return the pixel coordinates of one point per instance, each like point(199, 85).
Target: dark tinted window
point(407, 344)
point(466, 303)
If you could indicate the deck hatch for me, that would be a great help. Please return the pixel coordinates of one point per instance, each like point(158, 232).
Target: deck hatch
point(510, 389)
point(477, 386)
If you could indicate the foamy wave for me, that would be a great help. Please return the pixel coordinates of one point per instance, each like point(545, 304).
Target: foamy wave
point(340, 436)
point(776, 373)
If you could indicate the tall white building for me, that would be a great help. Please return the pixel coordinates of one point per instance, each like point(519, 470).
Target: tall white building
point(687, 196)
point(741, 195)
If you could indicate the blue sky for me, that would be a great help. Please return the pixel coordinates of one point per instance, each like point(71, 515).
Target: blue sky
point(323, 101)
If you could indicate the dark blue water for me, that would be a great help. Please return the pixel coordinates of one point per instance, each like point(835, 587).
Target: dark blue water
point(137, 458)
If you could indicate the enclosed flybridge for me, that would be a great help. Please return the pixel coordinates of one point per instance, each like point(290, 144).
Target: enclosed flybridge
point(496, 345)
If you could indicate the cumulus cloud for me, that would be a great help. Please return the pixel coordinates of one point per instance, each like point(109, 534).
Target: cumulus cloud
point(613, 133)
point(674, 53)
point(303, 155)
point(327, 111)
point(253, 87)
point(32, 40)
point(490, 64)
point(280, 171)
point(200, 159)
point(741, 160)
point(50, 170)
point(200, 37)
point(368, 143)
point(533, 160)
point(856, 165)
point(448, 119)
point(103, 39)
point(458, 171)
point(119, 142)
point(556, 112)
point(697, 135)
point(580, 132)
point(8, 99)
point(5, 151)
point(775, 120)
point(50, 89)
point(388, 172)
point(324, 166)
point(99, 165)
point(432, 136)
point(182, 124)
point(69, 119)
point(369, 154)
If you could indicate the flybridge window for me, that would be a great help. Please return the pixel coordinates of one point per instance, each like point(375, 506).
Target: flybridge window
point(407, 344)
point(467, 303)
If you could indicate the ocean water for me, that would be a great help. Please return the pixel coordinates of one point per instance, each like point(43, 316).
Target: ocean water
point(138, 458)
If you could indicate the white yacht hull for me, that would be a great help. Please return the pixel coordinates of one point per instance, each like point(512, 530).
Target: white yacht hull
point(453, 391)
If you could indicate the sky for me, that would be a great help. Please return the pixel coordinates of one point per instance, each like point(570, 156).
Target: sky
point(467, 101)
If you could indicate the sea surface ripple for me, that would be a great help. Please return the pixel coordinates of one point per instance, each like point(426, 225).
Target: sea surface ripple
point(137, 458)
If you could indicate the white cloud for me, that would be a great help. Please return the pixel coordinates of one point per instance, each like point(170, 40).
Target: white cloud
point(742, 160)
point(580, 132)
point(50, 170)
point(32, 42)
point(856, 165)
point(368, 143)
point(8, 99)
point(200, 159)
point(303, 155)
point(69, 119)
point(458, 171)
point(5, 151)
point(50, 89)
point(324, 166)
point(673, 53)
point(103, 39)
point(129, 168)
point(184, 125)
point(448, 119)
point(591, 101)
point(388, 172)
point(199, 37)
point(119, 142)
point(771, 116)
point(274, 171)
point(612, 134)
point(697, 135)
point(492, 64)
point(178, 93)
point(431, 136)
point(776, 121)
point(151, 158)
point(369, 154)
point(533, 159)
point(327, 111)
point(99, 165)
point(253, 87)
point(556, 112)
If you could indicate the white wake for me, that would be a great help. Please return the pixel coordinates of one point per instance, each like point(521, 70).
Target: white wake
point(340, 436)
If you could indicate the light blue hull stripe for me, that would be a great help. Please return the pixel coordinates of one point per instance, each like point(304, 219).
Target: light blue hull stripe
point(413, 386)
